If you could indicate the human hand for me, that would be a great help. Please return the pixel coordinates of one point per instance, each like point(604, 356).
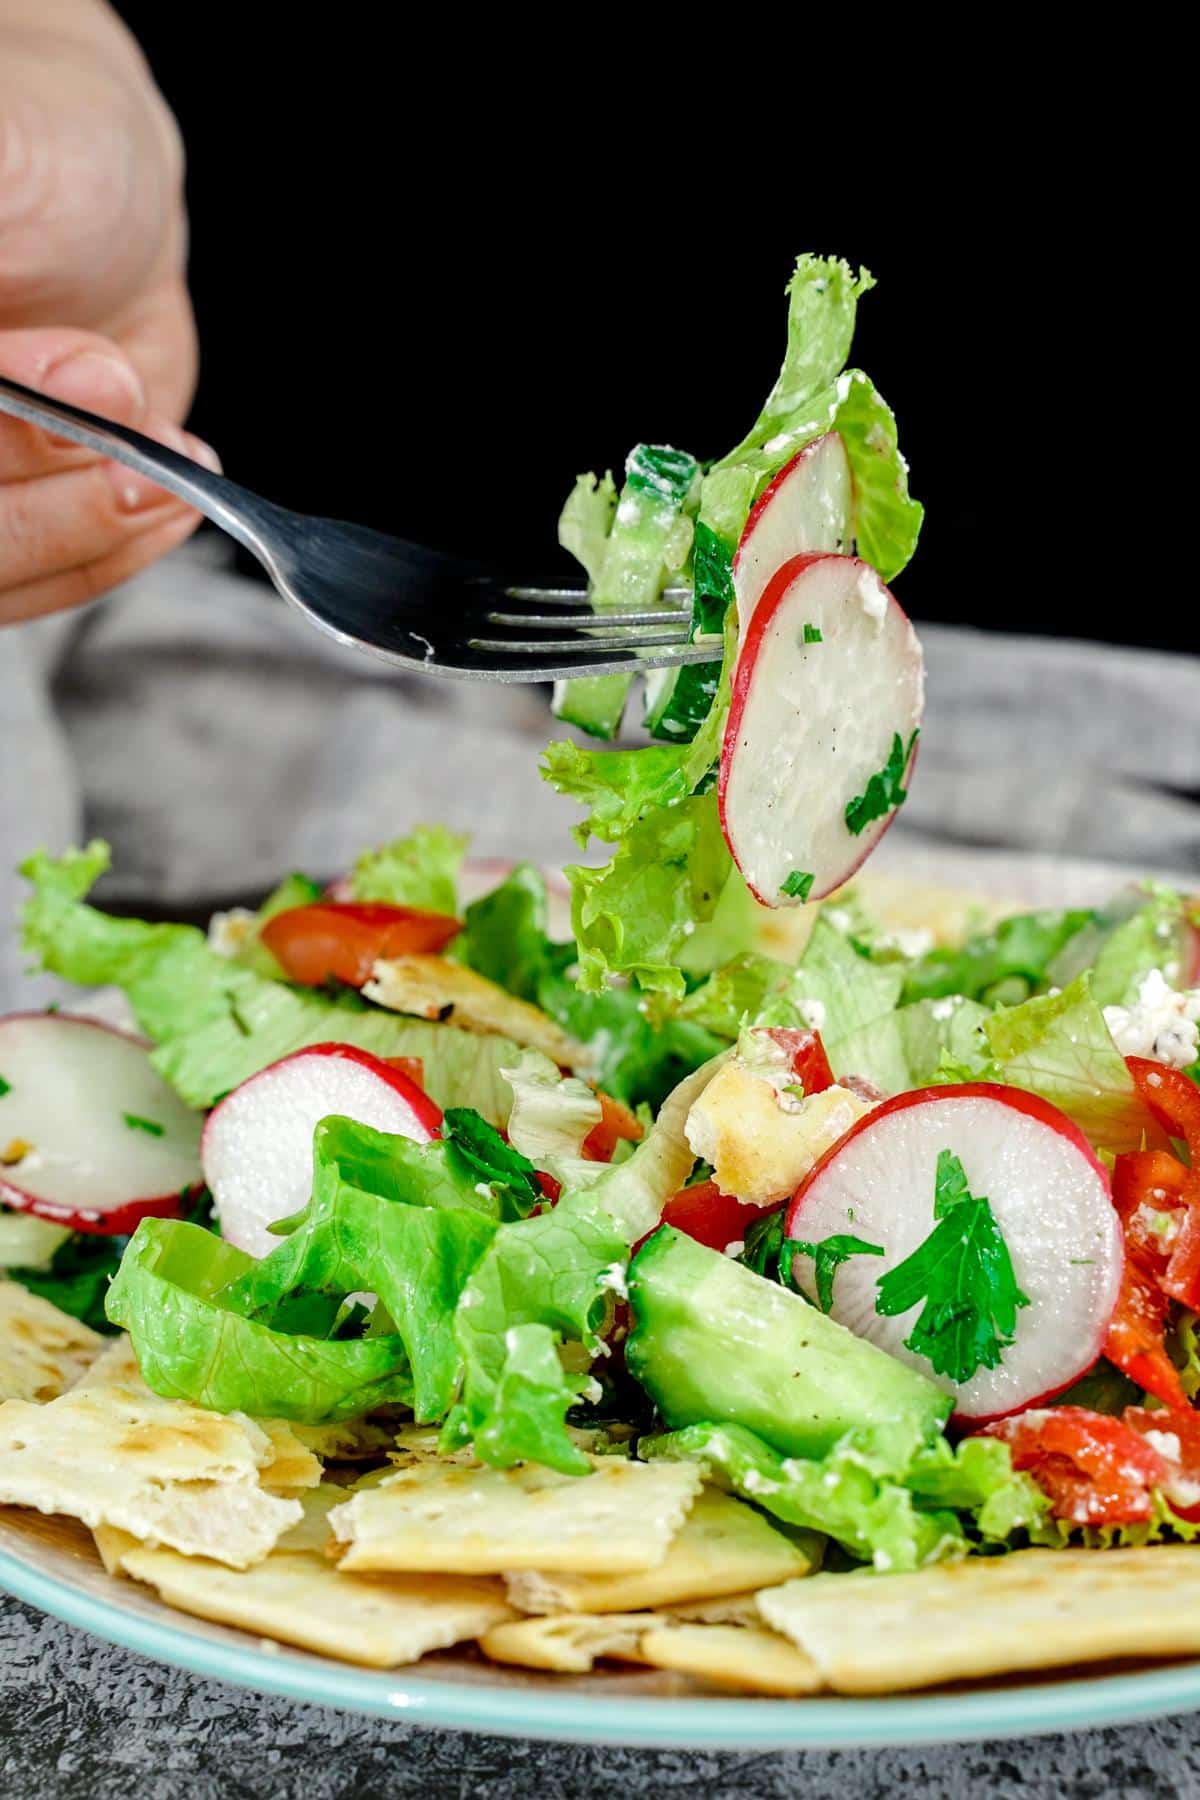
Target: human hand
point(94, 306)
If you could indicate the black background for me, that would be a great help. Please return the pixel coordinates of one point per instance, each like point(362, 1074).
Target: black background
point(428, 301)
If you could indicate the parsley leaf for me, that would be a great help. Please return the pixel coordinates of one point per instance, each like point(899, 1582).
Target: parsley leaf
point(828, 1257)
point(883, 791)
point(964, 1274)
point(149, 1126)
point(481, 1146)
point(762, 1244)
point(812, 634)
point(5, 1087)
point(798, 885)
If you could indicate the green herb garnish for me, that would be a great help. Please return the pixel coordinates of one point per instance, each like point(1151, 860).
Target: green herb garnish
point(795, 1089)
point(812, 634)
point(149, 1126)
point(828, 1257)
point(5, 1087)
point(798, 885)
point(883, 792)
point(964, 1274)
point(497, 1163)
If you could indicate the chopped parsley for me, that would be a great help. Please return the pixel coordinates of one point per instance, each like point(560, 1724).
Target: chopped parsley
point(883, 792)
point(828, 1257)
point(5, 1087)
point(964, 1275)
point(481, 1146)
point(149, 1126)
point(795, 1089)
point(812, 634)
point(798, 885)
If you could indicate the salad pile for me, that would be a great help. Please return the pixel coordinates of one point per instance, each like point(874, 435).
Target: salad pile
point(892, 1232)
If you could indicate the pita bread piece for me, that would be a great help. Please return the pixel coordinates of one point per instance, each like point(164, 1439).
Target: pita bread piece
point(300, 1598)
point(43, 1351)
point(161, 1470)
point(568, 1643)
point(434, 988)
point(487, 1521)
point(1033, 1609)
point(723, 1546)
point(749, 1658)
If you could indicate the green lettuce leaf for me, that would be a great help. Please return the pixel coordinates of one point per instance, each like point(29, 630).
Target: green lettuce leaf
point(419, 870)
point(1007, 963)
point(586, 520)
point(405, 1221)
point(835, 989)
point(977, 1477)
point(216, 1023)
point(634, 1057)
point(541, 1281)
point(908, 1048)
point(167, 1294)
point(1058, 1046)
point(504, 936)
point(631, 916)
point(500, 1166)
point(552, 1114)
point(294, 890)
point(875, 1519)
point(1154, 938)
point(737, 992)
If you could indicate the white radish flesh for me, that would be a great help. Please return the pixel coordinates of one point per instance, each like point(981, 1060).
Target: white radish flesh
point(91, 1137)
point(1049, 1196)
point(807, 507)
point(812, 720)
point(258, 1143)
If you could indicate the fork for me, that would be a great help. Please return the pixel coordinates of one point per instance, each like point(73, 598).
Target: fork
point(417, 609)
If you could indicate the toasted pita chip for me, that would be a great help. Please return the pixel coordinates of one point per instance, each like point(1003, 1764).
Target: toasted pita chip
point(301, 1598)
point(748, 1658)
point(487, 1521)
point(568, 1642)
point(722, 1546)
point(310, 1533)
point(290, 1464)
point(161, 1470)
point(43, 1351)
point(1033, 1609)
point(434, 988)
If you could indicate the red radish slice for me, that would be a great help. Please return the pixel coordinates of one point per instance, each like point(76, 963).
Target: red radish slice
point(812, 720)
point(1050, 1198)
point(807, 507)
point(90, 1134)
point(258, 1143)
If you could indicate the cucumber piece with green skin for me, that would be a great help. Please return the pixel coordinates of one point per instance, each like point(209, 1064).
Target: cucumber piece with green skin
point(647, 540)
point(712, 1340)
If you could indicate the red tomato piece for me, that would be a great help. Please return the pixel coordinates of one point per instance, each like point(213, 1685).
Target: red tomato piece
point(617, 1125)
point(810, 1065)
point(1134, 1341)
point(1095, 1470)
point(1174, 1099)
point(1182, 1487)
point(704, 1213)
point(333, 942)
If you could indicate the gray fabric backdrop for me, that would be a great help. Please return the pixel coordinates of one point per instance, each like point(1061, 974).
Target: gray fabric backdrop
point(217, 741)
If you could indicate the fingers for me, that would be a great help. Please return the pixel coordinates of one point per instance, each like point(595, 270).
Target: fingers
point(73, 524)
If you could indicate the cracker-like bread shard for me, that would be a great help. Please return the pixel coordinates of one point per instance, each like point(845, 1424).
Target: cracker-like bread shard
point(43, 1351)
point(568, 1643)
point(1033, 1609)
point(722, 1547)
point(749, 1658)
point(487, 1521)
point(163, 1471)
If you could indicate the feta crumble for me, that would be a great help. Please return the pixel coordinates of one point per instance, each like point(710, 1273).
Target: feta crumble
point(870, 594)
point(1162, 1023)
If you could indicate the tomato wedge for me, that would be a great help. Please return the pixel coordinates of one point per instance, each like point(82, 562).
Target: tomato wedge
point(810, 1065)
point(1135, 1337)
point(1095, 1470)
point(710, 1217)
point(617, 1125)
point(1182, 1486)
point(333, 942)
point(1174, 1099)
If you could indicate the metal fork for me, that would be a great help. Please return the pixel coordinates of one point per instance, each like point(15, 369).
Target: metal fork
point(417, 609)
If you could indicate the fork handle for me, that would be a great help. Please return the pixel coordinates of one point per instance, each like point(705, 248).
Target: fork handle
point(235, 509)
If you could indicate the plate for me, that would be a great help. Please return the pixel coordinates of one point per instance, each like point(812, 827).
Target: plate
point(52, 1564)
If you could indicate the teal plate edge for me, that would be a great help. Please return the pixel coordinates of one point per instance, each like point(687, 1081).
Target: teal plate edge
point(710, 1722)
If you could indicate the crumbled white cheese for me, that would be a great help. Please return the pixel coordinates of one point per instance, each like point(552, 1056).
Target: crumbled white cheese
point(628, 512)
point(941, 1010)
point(813, 1014)
point(881, 1561)
point(1162, 1024)
point(779, 442)
point(871, 595)
point(736, 1247)
point(914, 942)
point(591, 1390)
point(228, 931)
point(754, 1483)
point(1166, 1443)
point(613, 1280)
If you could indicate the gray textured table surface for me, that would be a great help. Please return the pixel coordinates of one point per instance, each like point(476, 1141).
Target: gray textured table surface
point(215, 743)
